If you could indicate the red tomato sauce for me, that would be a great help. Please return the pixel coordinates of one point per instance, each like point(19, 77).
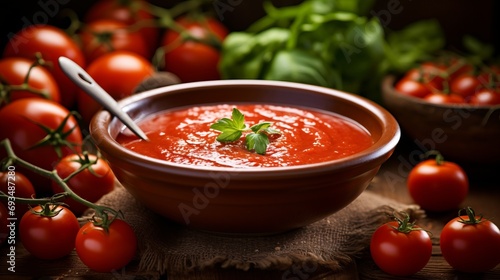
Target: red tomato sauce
point(183, 136)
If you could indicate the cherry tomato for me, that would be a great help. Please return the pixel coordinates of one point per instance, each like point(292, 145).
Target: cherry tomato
point(104, 36)
point(119, 73)
point(13, 71)
point(438, 185)
point(49, 237)
point(52, 43)
point(412, 88)
point(106, 251)
point(18, 185)
point(443, 98)
point(90, 184)
point(465, 85)
point(458, 66)
point(29, 120)
point(399, 248)
point(4, 230)
point(470, 243)
point(486, 96)
point(194, 60)
point(430, 74)
point(131, 13)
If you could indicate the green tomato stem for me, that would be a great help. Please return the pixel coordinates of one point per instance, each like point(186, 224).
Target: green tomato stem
point(102, 212)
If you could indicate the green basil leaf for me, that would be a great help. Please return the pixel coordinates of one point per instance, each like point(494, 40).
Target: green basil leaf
point(257, 142)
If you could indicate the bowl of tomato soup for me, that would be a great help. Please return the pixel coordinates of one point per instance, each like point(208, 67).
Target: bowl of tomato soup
point(298, 153)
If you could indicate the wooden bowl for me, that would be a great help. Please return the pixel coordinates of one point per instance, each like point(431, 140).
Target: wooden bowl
point(461, 132)
point(252, 200)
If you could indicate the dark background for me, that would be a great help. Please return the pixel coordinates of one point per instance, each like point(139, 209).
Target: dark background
point(458, 17)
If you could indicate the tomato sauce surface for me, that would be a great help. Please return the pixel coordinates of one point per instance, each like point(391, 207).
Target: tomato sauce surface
point(183, 136)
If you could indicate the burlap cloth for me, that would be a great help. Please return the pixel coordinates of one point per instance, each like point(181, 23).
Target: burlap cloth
point(332, 243)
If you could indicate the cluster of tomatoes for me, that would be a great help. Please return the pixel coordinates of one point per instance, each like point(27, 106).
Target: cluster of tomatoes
point(469, 243)
point(452, 80)
point(45, 116)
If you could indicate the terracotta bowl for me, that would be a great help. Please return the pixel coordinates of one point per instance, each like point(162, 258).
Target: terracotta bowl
point(254, 200)
point(465, 133)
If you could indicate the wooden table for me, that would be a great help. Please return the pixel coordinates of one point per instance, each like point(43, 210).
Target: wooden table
point(484, 197)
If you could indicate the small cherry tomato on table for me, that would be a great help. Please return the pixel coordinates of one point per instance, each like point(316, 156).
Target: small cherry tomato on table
point(438, 185)
point(470, 243)
point(105, 250)
point(48, 232)
point(400, 248)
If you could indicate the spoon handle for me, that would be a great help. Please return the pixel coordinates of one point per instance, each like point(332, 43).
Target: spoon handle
point(81, 78)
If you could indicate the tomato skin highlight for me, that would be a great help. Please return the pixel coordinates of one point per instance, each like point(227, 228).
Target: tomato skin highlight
point(438, 187)
point(90, 186)
point(23, 132)
point(49, 238)
point(119, 39)
point(193, 60)
point(471, 248)
point(13, 71)
point(105, 251)
point(129, 13)
point(486, 96)
point(398, 253)
point(131, 69)
point(412, 88)
point(52, 42)
point(24, 189)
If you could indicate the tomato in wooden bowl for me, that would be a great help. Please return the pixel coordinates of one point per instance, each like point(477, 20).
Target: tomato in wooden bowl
point(462, 132)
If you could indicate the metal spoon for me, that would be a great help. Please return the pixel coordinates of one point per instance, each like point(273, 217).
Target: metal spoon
point(80, 77)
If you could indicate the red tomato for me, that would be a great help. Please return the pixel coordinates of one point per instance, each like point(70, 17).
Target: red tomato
point(13, 71)
point(20, 186)
point(104, 36)
point(400, 249)
point(49, 237)
point(52, 43)
point(438, 185)
point(471, 243)
point(412, 88)
point(443, 98)
point(26, 117)
point(486, 96)
point(429, 74)
point(4, 230)
point(106, 251)
point(131, 13)
point(90, 184)
point(118, 73)
point(194, 60)
point(457, 66)
point(465, 85)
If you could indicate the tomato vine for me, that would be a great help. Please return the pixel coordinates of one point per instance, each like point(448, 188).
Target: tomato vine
point(103, 215)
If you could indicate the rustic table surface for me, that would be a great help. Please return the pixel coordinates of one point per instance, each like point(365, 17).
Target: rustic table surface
point(484, 196)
